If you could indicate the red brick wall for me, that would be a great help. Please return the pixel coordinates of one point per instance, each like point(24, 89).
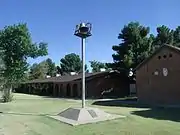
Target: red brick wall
point(118, 83)
point(95, 86)
point(160, 89)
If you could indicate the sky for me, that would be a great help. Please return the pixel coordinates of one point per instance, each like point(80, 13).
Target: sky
point(54, 21)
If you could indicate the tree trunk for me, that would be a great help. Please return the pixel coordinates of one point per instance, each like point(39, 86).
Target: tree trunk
point(10, 90)
point(7, 94)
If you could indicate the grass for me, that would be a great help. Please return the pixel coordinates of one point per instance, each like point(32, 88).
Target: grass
point(139, 121)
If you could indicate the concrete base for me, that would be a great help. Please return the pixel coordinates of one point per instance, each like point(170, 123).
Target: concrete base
point(77, 116)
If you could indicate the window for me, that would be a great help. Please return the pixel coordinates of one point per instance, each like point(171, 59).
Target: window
point(164, 56)
point(170, 55)
point(159, 57)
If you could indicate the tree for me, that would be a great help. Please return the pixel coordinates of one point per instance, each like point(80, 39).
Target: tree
point(176, 36)
point(86, 69)
point(96, 65)
point(164, 36)
point(41, 70)
point(151, 44)
point(135, 46)
point(51, 67)
point(38, 71)
point(59, 70)
point(71, 63)
point(2, 68)
point(17, 45)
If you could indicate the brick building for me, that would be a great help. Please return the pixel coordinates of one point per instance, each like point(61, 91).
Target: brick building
point(158, 77)
point(111, 83)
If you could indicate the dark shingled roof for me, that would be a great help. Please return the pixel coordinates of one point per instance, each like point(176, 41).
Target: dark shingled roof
point(68, 78)
point(174, 48)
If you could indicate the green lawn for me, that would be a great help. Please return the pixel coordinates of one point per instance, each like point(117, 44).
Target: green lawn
point(139, 121)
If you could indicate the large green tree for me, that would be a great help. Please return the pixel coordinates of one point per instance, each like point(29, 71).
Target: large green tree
point(164, 36)
point(17, 45)
point(176, 36)
point(135, 46)
point(71, 63)
point(38, 71)
point(59, 70)
point(96, 65)
point(51, 67)
point(41, 70)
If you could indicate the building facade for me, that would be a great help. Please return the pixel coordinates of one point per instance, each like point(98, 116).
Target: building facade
point(157, 78)
point(108, 83)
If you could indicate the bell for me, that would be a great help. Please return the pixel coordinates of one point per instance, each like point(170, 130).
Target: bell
point(83, 28)
point(77, 27)
point(82, 25)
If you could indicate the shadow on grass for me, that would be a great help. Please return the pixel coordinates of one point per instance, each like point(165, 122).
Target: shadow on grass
point(28, 114)
point(53, 97)
point(154, 112)
point(171, 114)
point(120, 103)
point(70, 98)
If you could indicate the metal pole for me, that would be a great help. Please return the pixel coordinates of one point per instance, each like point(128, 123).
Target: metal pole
point(83, 71)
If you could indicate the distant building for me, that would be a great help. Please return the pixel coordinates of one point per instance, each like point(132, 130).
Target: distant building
point(57, 75)
point(48, 76)
point(102, 69)
point(158, 77)
point(110, 83)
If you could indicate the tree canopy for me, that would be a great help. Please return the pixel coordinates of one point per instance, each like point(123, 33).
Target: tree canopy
point(17, 45)
point(52, 70)
point(176, 36)
point(166, 35)
point(71, 63)
point(96, 66)
point(41, 70)
point(134, 47)
point(38, 71)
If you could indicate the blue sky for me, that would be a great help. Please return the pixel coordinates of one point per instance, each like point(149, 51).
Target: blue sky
point(53, 21)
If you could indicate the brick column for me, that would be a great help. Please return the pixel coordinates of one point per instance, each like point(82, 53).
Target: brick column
point(29, 89)
point(64, 89)
point(79, 89)
point(71, 91)
point(59, 90)
point(54, 89)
